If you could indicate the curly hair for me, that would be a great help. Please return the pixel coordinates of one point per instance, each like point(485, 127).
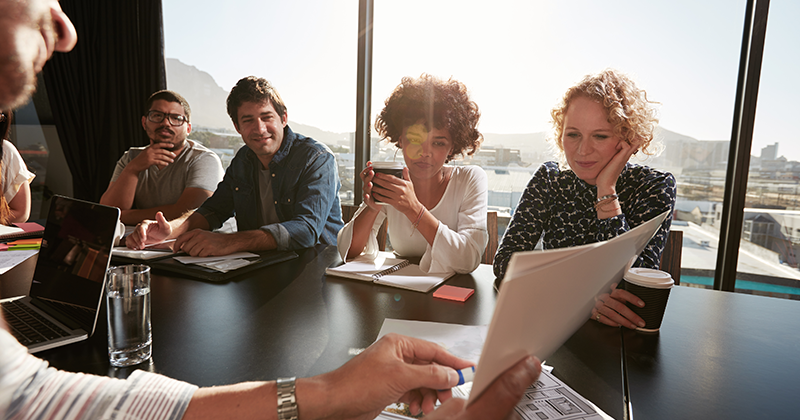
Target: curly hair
point(442, 105)
point(253, 89)
point(630, 113)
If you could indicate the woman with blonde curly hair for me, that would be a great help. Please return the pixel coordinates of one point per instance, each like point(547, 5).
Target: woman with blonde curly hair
point(595, 194)
point(435, 211)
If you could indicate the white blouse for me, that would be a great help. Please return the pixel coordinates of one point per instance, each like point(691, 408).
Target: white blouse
point(15, 172)
point(460, 239)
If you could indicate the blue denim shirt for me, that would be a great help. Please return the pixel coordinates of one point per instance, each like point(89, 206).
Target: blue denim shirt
point(305, 185)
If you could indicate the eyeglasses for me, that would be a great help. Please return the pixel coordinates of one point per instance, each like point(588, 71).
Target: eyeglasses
point(175, 120)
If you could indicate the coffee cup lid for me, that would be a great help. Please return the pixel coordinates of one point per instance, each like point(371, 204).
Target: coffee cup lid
point(648, 277)
point(387, 165)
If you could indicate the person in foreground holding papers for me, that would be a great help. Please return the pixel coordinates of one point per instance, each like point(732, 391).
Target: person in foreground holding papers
point(436, 212)
point(15, 201)
point(594, 194)
point(394, 369)
point(282, 187)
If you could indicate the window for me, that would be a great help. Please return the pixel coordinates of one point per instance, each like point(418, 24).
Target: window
point(518, 58)
point(307, 50)
point(772, 211)
point(33, 133)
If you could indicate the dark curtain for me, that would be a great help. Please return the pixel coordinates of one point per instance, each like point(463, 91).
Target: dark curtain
point(97, 91)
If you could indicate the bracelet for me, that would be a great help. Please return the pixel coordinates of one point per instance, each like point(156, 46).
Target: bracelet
point(600, 206)
point(605, 209)
point(287, 402)
point(606, 197)
point(416, 223)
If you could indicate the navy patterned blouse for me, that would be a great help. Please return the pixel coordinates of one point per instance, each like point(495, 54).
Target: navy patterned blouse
point(560, 206)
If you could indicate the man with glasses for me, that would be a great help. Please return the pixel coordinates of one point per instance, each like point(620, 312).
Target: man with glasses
point(171, 175)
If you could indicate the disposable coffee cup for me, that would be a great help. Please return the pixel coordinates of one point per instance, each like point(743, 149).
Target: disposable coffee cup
point(652, 287)
point(391, 168)
point(128, 300)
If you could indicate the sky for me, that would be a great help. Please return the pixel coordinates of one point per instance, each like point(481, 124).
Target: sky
point(516, 57)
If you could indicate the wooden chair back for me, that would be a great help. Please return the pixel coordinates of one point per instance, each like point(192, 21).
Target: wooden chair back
point(671, 257)
point(491, 246)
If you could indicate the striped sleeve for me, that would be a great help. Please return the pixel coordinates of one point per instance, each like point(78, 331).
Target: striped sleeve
point(29, 389)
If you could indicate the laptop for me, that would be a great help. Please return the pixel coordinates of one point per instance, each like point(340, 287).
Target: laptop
point(69, 280)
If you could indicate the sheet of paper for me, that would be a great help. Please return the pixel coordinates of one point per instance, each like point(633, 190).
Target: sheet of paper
point(223, 266)
point(199, 260)
point(523, 265)
point(11, 259)
point(547, 398)
point(464, 341)
point(140, 255)
point(412, 277)
point(539, 309)
point(365, 264)
point(5, 230)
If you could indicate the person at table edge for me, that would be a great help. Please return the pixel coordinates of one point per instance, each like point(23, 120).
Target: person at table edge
point(15, 178)
point(282, 187)
point(395, 368)
point(172, 174)
point(594, 193)
point(443, 207)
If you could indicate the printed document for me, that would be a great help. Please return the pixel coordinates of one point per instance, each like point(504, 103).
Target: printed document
point(548, 398)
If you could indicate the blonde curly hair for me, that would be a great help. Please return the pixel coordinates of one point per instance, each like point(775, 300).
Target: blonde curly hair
point(630, 113)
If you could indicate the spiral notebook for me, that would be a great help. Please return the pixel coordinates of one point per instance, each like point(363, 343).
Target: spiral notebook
point(21, 231)
point(389, 271)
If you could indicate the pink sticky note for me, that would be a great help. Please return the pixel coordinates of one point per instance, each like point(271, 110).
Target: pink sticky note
point(456, 293)
point(29, 226)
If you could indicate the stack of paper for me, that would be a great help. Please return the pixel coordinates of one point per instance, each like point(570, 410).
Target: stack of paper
point(547, 295)
point(547, 398)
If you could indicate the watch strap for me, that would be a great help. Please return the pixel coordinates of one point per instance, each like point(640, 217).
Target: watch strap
point(287, 402)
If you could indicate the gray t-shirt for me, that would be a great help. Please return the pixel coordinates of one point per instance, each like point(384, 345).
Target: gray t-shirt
point(268, 213)
point(195, 167)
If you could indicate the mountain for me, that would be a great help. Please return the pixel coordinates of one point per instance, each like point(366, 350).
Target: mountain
point(205, 97)
point(207, 100)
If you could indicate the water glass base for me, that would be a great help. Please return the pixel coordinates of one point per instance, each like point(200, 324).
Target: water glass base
point(130, 356)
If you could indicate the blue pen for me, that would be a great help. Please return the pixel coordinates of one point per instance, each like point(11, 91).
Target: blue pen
point(465, 375)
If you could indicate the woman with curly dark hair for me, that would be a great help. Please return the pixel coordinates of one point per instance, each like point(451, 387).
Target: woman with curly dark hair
point(15, 200)
point(435, 211)
point(594, 194)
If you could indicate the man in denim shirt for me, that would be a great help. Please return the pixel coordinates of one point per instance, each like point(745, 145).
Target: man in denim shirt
point(283, 187)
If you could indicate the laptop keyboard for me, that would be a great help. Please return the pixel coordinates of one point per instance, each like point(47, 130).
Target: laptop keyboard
point(84, 316)
point(28, 326)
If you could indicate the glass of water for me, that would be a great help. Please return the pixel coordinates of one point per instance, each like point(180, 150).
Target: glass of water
point(128, 299)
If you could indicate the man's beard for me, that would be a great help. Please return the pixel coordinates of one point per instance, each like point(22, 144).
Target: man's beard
point(172, 146)
point(18, 84)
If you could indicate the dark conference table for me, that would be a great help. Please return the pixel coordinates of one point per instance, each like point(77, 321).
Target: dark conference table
point(291, 320)
point(715, 349)
point(719, 355)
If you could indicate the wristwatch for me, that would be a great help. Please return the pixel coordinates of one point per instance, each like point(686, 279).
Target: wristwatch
point(287, 403)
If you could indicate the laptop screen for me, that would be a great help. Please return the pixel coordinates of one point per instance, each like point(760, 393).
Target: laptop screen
point(76, 248)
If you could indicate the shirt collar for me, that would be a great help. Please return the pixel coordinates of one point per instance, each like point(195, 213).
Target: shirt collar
point(288, 140)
